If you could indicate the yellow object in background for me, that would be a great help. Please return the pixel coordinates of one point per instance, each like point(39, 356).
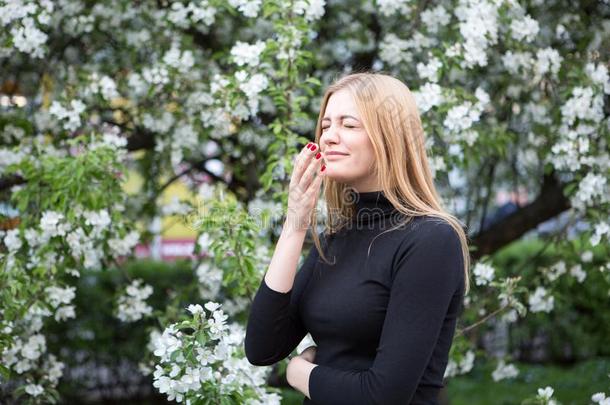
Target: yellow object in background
point(173, 226)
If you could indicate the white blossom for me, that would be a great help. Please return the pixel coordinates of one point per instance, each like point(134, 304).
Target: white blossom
point(167, 343)
point(12, 241)
point(430, 70)
point(600, 398)
point(217, 323)
point(599, 74)
point(123, 246)
point(600, 229)
point(53, 369)
point(58, 295)
point(195, 309)
point(578, 273)
point(246, 54)
point(586, 256)
point(312, 9)
point(69, 116)
point(548, 61)
point(98, 220)
point(428, 96)
point(392, 49)
point(484, 273)
point(104, 85)
point(434, 18)
point(546, 393)
point(65, 312)
point(556, 270)
point(504, 371)
point(479, 28)
point(34, 389)
point(592, 189)
point(131, 306)
point(461, 117)
point(524, 29)
point(583, 105)
point(200, 12)
point(249, 8)
point(541, 300)
point(210, 280)
point(389, 7)
point(517, 62)
point(51, 224)
point(156, 75)
point(28, 38)
point(34, 347)
point(212, 306)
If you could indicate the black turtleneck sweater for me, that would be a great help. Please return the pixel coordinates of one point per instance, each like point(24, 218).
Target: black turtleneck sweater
point(383, 323)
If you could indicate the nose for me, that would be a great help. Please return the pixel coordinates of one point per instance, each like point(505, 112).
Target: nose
point(329, 137)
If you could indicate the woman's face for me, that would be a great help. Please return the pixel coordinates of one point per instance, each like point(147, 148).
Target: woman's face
point(342, 131)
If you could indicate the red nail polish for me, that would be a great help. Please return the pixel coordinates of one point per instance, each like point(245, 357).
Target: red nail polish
point(309, 145)
point(313, 147)
point(319, 155)
point(323, 168)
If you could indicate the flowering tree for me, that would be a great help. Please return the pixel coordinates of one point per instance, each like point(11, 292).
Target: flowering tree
point(215, 92)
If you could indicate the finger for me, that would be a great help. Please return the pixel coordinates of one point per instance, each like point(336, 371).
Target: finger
point(314, 188)
point(308, 175)
point(301, 162)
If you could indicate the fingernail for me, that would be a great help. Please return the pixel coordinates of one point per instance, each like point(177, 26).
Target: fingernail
point(313, 147)
point(323, 168)
point(309, 145)
point(319, 155)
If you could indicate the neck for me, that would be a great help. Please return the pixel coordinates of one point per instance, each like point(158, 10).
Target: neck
point(370, 205)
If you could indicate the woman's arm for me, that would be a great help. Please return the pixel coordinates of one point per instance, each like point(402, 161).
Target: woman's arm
point(283, 266)
point(274, 327)
point(297, 374)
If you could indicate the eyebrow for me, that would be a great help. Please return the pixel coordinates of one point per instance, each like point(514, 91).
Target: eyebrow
point(341, 118)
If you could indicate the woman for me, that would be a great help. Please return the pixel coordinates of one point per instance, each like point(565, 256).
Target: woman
point(383, 312)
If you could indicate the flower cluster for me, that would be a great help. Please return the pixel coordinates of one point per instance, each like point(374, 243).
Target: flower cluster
point(479, 28)
point(202, 357)
point(504, 371)
point(541, 300)
point(462, 366)
point(27, 355)
point(545, 396)
point(600, 398)
point(69, 116)
point(60, 298)
point(484, 273)
point(132, 305)
point(25, 23)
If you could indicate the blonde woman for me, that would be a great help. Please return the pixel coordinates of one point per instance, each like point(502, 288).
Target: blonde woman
point(381, 290)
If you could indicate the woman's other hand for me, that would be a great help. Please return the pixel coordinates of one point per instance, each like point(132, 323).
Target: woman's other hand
point(309, 354)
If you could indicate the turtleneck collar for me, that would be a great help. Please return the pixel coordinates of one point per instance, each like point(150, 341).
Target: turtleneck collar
point(371, 205)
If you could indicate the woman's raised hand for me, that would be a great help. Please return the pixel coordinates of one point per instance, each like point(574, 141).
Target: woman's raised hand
point(304, 186)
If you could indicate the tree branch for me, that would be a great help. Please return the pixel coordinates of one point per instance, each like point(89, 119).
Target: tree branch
point(549, 203)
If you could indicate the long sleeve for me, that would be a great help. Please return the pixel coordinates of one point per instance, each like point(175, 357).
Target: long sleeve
point(274, 326)
point(427, 277)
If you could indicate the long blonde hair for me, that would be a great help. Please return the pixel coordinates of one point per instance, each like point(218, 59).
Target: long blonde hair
point(391, 119)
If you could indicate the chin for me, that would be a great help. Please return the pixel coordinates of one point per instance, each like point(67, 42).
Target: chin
point(339, 176)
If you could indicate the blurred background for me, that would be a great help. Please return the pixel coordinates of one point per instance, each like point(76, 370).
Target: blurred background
point(145, 152)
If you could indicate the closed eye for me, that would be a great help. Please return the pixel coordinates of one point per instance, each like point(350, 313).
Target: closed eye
point(346, 126)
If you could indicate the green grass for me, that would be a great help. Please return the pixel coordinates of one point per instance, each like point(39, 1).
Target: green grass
point(573, 385)
point(291, 397)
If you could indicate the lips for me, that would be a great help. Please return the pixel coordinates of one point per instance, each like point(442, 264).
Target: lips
point(335, 153)
point(333, 156)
